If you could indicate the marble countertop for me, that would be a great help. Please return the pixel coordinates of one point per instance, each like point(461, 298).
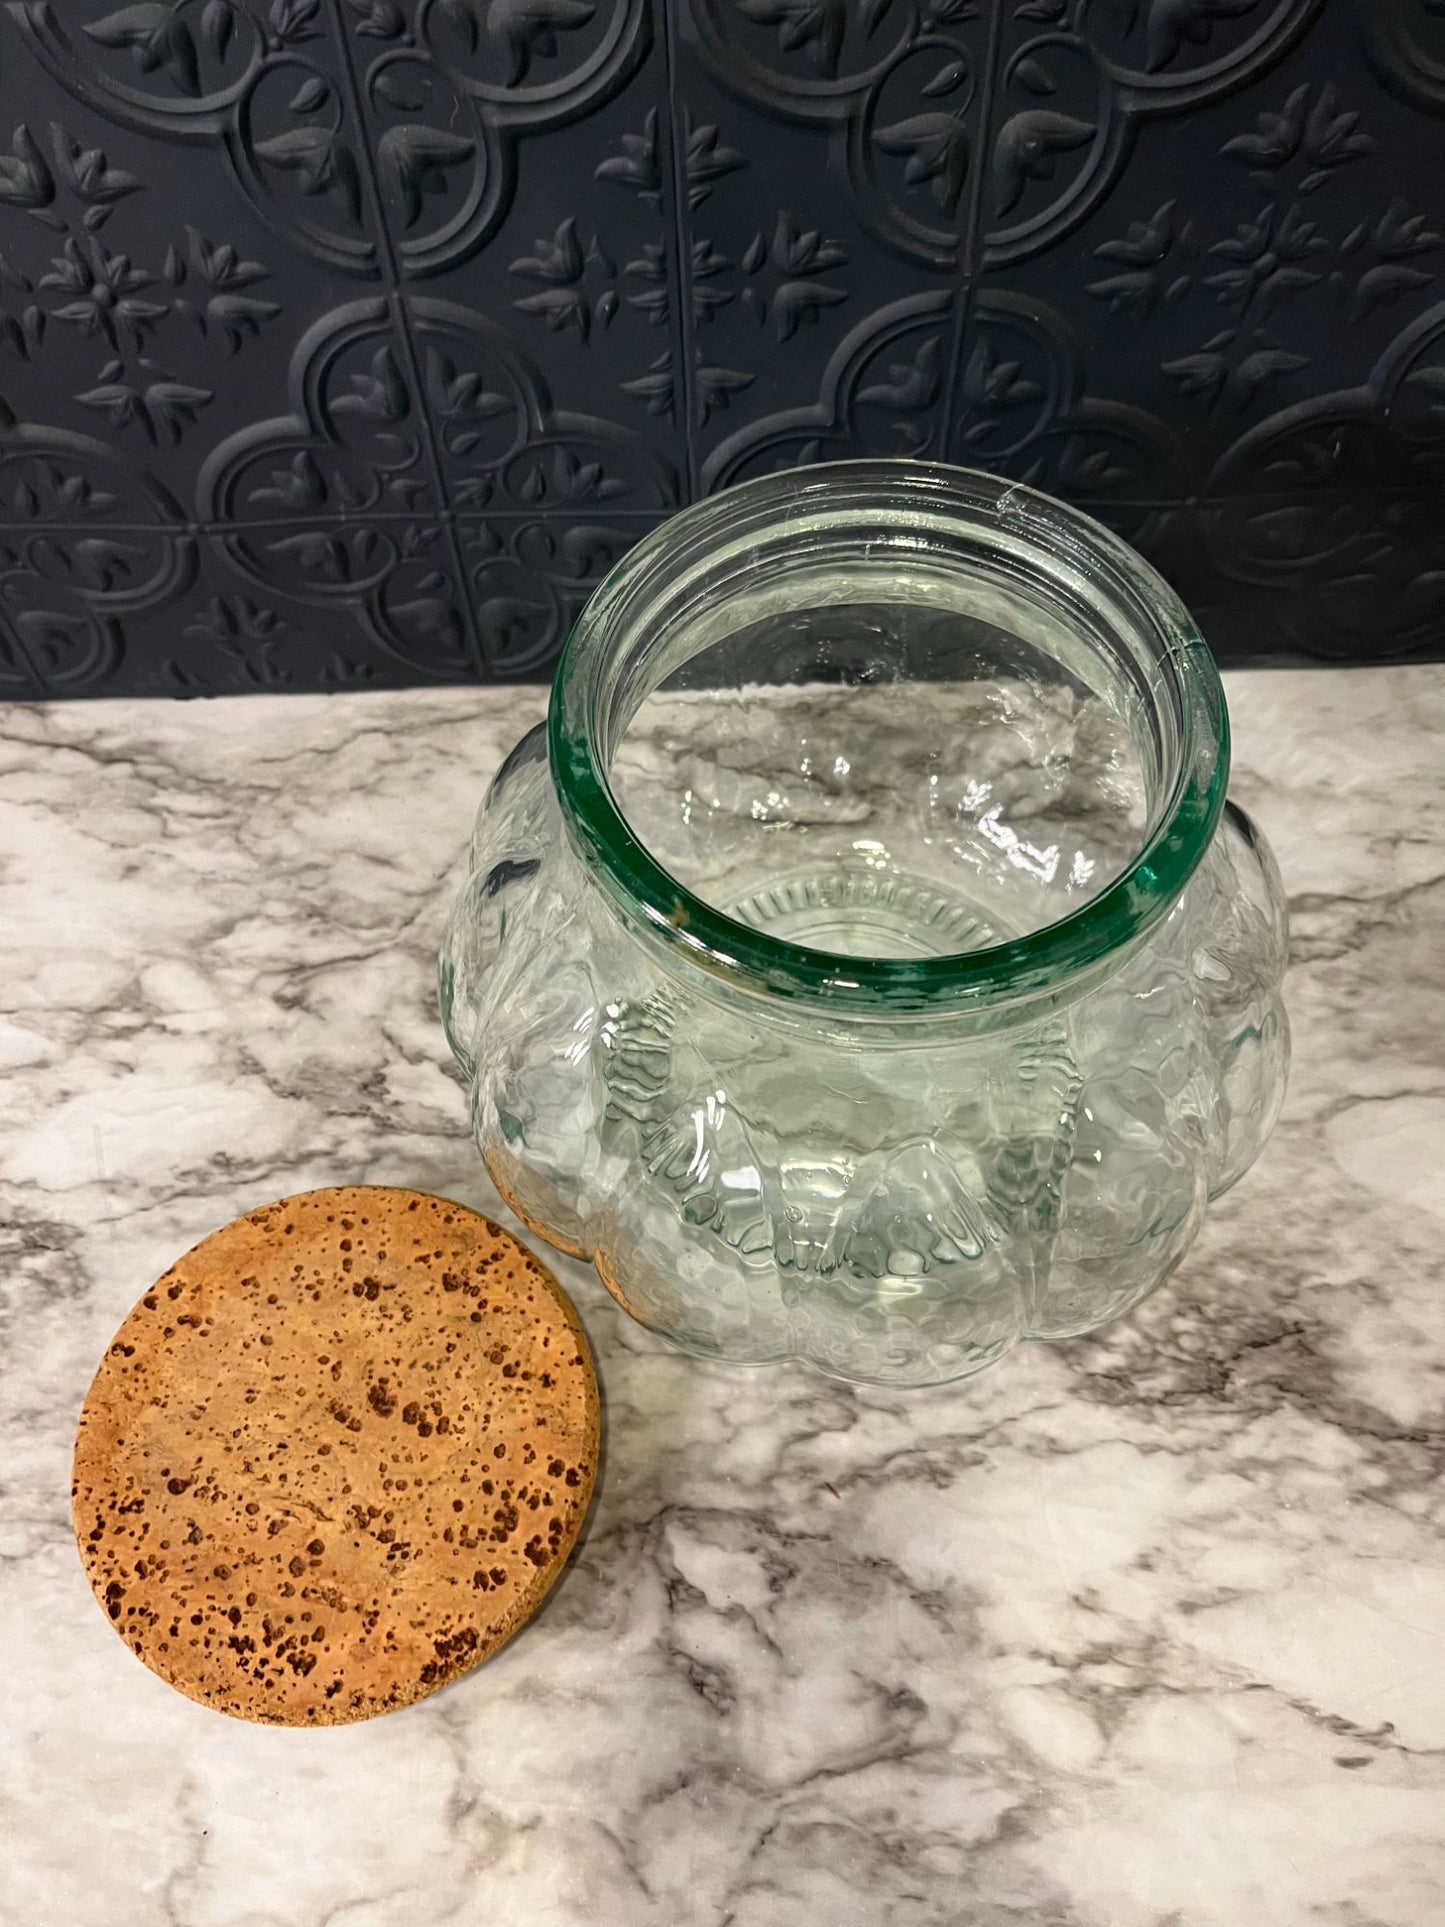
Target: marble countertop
point(1144, 1631)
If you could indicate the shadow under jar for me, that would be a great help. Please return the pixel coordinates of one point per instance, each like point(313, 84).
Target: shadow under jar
point(862, 964)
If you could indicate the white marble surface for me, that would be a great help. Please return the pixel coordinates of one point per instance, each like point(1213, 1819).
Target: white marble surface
point(1148, 1631)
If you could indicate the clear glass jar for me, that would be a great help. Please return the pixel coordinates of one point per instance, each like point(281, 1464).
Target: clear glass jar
point(862, 964)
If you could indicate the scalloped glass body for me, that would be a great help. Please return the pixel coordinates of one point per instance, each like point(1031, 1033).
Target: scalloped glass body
point(901, 1209)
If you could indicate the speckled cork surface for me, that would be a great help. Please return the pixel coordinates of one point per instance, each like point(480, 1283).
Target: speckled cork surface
point(336, 1456)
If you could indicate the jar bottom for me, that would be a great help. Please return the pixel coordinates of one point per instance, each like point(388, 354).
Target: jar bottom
point(860, 911)
point(510, 1181)
point(887, 820)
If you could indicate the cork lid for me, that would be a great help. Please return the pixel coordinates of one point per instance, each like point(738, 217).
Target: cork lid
point(336, 1456)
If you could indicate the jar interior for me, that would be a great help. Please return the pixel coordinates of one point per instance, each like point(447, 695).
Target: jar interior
point(884, 733)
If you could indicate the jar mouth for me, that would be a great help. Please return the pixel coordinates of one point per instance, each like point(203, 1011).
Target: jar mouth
point(618, 650)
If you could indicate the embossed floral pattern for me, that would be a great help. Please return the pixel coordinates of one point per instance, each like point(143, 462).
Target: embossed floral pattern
point(310, 293)
point(1040, 1177)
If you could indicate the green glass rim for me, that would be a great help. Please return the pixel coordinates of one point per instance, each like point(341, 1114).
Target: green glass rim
point(651, 900)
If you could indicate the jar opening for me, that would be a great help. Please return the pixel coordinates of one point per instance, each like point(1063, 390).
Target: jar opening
point(888, 738)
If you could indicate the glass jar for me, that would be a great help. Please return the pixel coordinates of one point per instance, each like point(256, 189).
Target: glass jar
point(862, 964)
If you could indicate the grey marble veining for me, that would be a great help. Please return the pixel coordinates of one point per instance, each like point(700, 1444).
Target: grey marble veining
point(1145, 1631)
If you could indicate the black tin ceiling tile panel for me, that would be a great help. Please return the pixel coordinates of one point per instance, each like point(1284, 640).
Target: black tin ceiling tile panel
point(347, 342)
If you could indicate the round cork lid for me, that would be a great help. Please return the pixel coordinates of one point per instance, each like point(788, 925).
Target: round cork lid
point(336, 1456)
